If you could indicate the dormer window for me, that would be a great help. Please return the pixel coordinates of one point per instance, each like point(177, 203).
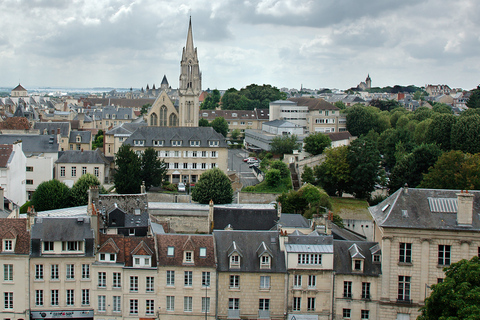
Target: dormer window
point(141, 261)
point(48, 246)
point(203, 252)
point(139, 142)
point(234, 115)
point(213, 143)
point(72, 246)
point(8, 245)
point(234, 261)
point(177, 143)
point(170, 251)
point(107, 257)
point(357, 265)
point(376, 258)
point(188, 257)
point(265, 262)
point(158, 143)
point(194, 143)
point(79, 138)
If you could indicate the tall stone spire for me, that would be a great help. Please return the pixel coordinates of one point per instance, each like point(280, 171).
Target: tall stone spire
point(189, 46)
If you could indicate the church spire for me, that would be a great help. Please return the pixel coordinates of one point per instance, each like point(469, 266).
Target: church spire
point(189, 46)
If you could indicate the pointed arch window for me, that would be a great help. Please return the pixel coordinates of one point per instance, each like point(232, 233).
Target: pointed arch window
point(153, 119)
point(163, 116)
point(173, 120)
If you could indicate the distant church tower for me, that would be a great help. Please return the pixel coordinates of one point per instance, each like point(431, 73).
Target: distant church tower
point(368, 82)
point(190, 84)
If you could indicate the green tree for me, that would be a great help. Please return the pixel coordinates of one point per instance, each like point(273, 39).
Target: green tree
point(272, 177)
point(145, 108)
point(284, 144)
point(79, 191)
point(153, 169)
point(282, 167)
point(51, 194)
point(465, 134)
point(211, 101)
point(360, 120)
point(334, 173)
point(420, 95)
point(390, 139)
point(127, 176)
point(458, 296)
point(364, 160)
point(307, 175)
point(203, 123)
point(235, 134)
point(340, 105)
point(316, 142)
point(307, 200)
point(473, 101)
point(98, 140)
point(442, 108)
point(440, 130)
point(422, 113)
point(421, 131)
point(220, 125)
point(385, 105)
point(213, 185)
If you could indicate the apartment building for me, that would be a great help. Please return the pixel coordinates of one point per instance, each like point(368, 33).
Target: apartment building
point(238, 119)
point(71, 165)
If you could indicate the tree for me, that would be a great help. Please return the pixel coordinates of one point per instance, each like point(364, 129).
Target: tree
point(458, 296)
point(284, 144)
point(51, 194)
point(306, 201)
point(316, 142)
point(235, 134)
point(340, 105)
point(442, 108)
point(440, 130)
point(334, 173)
point(385, 105)
point(307, 175)
point(203, 123)
point(220, 125)
point(272, 177)
point(98, 140)
point(153, 169)
point(145, 108)
point(281, 167)
point(211, 101)
point(127, 176)
point(364, 160)
point(465, 133)
point(361, 119)
point(390, 140)
point(213, 185)
point(474, 101)
point(79, 191)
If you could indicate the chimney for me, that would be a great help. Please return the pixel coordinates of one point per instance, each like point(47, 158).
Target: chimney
point(210, 216)
point(405, 188)
point(93, 197)
point(2, 199)
point(31, 214)
point(142, 188)
point(279, 210)
point(465, 208)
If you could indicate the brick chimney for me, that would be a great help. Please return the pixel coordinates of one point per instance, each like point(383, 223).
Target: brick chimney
point(465, 208)
point(210, 216)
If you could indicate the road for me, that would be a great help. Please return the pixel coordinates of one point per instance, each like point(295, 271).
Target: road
point(236, 164)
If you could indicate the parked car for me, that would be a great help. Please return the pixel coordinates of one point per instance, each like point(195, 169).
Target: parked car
point(253, 160)
point(181, 187)
point(249, 159)
point(254, 164)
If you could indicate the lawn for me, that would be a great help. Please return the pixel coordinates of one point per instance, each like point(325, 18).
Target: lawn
point(350, 208)
point(283, 185)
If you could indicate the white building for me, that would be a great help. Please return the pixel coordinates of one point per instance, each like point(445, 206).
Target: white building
point(12, 172)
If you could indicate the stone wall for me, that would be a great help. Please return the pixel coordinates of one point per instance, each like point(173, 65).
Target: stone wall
point(250, 197)
point(169, 197)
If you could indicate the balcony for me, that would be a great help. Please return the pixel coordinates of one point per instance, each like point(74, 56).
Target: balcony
point(234, 314)
point(264, 314)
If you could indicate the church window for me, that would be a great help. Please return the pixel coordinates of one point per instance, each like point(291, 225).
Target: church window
point(163, 117)
point(153, 119)
point(173, 120)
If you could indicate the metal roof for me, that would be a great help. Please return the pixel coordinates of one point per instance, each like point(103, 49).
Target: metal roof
point(310, 248)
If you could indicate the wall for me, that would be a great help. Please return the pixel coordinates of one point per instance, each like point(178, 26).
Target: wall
point(249, 197)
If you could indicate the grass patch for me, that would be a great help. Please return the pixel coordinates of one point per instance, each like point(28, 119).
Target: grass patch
point(350, 208)
point(283, 186)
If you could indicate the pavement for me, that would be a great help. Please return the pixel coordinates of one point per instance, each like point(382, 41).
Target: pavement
point(236, 164)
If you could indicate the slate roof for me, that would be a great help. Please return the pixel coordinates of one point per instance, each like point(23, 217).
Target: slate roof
point(410, 208)
point(120, 102)
point(32, 144)
point(313, 242)
point(86, 136)
point(290, 220)
point(314, 103)
point(15, 229)
point(342, 256)
point(337, 136)
point(244, 218)
point(125, 128)
point(78, 156)
point(248, 242)
point(19, 88)
point(345, 234)
point(281, 124)
point(6, 151)
point(231, 115)
point(167, 134)
point(182, 242)
point(52, 127)
point(62, 229)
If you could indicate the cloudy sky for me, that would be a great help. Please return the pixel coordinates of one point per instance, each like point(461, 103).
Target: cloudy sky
point(286, 43)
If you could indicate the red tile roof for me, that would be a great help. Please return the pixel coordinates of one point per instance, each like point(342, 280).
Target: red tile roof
point(183, 243)
point(15, 123)
point(128, 246)
point(15, 229)
point(5, 153)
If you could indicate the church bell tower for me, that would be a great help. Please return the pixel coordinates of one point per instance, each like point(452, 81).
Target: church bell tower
point(190, 84)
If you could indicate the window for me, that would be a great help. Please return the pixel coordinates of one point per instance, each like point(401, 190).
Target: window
point(133, 284)
point(194, 165)
point(84, 170)
point(8, 272)
point(71, 245)
point(141, 261)
point(170, 278)
point(29, 169)
point(234, 261)
point(203, 252)
point(264, 304)
point(133, 306)
point(265, 261)
point(365, 314)
point(158, 143)
point(188, 258)
point(187, 304)
point(7, 245)
point(204, 165)
point(74, 171)
point(149, 306)
point(149, 284)
point(85, 297)
point(204, 154)
point(205, 304)
point(405, 253)
point(213, 144)
point(347, 313)
point(233, 304)
point(309, 258)
point(170, 303)
point(117, 304)
point(297, 281)
point(101, 303)
point(404, 288)
point(8, 300)
point(117, 280)
point(62, 171)
point(347, 289)
point(264, 282)
point(297, 301)
point(54, 272)
point(54, 297)
point(29, 181)
point(205, 279)
point(194, 143)
point(365, 290)
point(170, 251)
point(102, 279)
point(176, 143)
point(39, 297)
point(444, 255)
point(214, 154)
point(39, 272)
point(376, 258)
point(48, 246)
point(85, 271)
point(310, 304)
point(312, 281)
point(70, 297)
point(357, 265)
point(70, 271)
point(188, 278)
point(234, 281)
point(96, 171)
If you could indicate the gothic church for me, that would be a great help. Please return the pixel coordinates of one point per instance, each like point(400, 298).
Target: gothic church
point(164, 112)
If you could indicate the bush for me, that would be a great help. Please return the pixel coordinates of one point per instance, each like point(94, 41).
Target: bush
point(272, 177)
point(282, 167)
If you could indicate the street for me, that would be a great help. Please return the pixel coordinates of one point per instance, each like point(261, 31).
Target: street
point(236, 164)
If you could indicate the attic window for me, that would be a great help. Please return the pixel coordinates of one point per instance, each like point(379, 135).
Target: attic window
point(176, 143)
point(107, 257)
point(205, 114)
point(234, 115)
point(188, 257)
point(265, 262)
point(79, 138)
point(376, 258)
point(234, 261)
point(213, 143)
point(142, 261)
point(158, 143)
point(194, 143)
point(139, 142)
point(8, 245)
point(203, 252)
point(385, 207)
point(170, 251)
